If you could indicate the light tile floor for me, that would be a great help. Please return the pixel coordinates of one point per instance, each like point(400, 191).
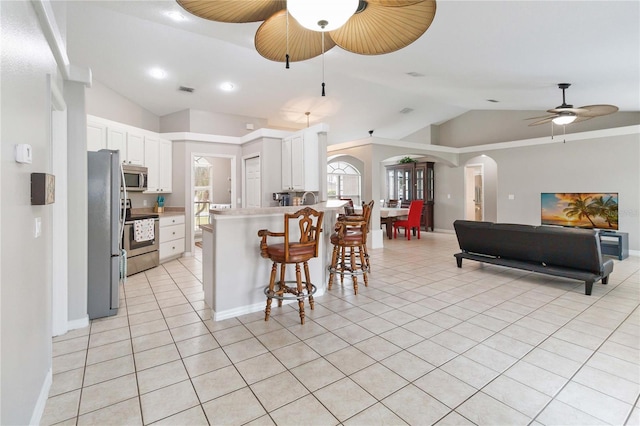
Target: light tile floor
point(425, 343)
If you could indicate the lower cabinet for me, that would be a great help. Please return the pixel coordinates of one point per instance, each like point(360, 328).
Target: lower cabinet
point(171, 237)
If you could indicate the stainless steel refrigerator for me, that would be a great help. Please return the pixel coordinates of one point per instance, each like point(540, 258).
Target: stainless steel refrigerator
point(104, 236)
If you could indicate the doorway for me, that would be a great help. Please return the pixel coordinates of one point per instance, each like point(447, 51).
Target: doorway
point(474, 192)
point(211, 185)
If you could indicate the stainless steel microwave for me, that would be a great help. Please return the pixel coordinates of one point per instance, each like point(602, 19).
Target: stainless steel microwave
point(135, 177)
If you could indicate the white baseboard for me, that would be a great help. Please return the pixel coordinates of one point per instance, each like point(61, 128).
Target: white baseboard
point(444, 231)
point(78, 323)
point(38, 410)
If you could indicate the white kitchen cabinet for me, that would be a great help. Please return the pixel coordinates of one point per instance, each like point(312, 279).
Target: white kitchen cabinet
point(135, 149)
point(172, 231)
point(117, 140)
point(96, 135)
point(157, 159)
point(300, 168)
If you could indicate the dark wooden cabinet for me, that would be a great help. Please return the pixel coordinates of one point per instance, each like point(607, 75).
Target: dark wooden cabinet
point(413, 181)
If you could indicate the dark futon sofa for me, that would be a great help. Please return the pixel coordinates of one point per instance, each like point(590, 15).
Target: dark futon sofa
point(563, 252)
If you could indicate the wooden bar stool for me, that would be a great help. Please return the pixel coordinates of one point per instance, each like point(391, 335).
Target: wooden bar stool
point(306, 247)
point(349, 241)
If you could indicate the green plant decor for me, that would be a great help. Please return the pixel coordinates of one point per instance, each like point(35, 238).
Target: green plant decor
point(406, 160)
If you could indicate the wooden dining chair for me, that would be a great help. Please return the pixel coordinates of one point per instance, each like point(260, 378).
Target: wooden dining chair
point(292, 251)
point(412, 221)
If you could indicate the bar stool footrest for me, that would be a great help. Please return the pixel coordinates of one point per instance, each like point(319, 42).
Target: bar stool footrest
point(291, 290)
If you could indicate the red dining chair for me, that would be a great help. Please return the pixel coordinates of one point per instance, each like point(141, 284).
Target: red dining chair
point(413, 220)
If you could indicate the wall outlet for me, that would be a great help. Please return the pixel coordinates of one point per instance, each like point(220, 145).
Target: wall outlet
point(512, 197)
point(144, 203)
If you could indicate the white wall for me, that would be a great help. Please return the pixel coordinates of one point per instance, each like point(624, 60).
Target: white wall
point(104, 102)
point(221, 180)
point(603, 164)
point(25, 262)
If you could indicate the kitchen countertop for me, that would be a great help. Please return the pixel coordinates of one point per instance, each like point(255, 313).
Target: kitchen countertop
point(168, 211)
point(252, 211)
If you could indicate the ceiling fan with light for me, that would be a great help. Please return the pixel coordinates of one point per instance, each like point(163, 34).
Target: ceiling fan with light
point(567, 114)
point(296, 30)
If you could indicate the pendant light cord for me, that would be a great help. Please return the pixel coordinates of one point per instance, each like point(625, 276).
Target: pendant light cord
point(323, 64)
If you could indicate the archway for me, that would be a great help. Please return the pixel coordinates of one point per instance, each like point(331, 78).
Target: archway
point(481, 189)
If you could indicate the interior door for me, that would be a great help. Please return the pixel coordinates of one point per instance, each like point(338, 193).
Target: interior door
point(252, 182)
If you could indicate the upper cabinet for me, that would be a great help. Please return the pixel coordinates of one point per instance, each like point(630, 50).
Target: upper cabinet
point(137, 147)
point(96, 135)
point(117, 140)
point(157, 159)
point(300, 166)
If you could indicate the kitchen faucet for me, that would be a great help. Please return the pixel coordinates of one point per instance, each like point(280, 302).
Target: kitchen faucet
point(304, 197)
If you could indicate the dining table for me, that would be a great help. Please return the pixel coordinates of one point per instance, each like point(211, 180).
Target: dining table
point(388, 215)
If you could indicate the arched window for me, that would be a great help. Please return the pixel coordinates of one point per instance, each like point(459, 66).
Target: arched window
point(343, 181)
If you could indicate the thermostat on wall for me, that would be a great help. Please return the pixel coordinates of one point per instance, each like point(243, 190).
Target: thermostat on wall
point(23, 153)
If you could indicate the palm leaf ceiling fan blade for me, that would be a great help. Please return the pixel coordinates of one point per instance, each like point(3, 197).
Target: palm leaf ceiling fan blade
point(598, 110)
point(382, 29)
point(271, 40)
point(543, 121)
point(233, 11)
point(380, 26)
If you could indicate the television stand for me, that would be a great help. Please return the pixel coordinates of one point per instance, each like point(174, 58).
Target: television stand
point(614, 244)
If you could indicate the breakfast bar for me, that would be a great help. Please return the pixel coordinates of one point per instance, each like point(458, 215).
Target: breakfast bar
point(234, 274)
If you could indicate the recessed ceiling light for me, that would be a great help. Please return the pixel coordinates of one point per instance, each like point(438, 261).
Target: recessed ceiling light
point(227, 86)
point(158, 73)
point(176, 16)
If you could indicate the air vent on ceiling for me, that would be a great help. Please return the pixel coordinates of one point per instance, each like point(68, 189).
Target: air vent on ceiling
point(186, 89)
point(415, 74)
point(492, 101)
point(406, 110)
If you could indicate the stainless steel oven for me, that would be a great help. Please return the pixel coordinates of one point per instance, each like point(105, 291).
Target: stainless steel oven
point(141, 255)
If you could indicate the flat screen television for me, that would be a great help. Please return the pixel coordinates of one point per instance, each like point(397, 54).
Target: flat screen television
point(580, 209)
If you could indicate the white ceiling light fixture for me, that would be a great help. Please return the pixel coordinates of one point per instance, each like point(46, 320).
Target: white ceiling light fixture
point(176, 16)
point(157, 73)
point(564, 117)
point(322, 15)
point(227, 86)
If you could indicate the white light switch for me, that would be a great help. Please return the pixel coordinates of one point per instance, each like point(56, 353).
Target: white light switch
point(448, 195)
point(512, 197)
point(37, 227)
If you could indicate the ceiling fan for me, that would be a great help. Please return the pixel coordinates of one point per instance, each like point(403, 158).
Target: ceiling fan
point(567, 114)
point(372, 27)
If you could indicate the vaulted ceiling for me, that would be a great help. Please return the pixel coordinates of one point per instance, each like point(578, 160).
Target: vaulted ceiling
point(513, 52)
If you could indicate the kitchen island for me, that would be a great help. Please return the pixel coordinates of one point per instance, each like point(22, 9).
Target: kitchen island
point(234, 274)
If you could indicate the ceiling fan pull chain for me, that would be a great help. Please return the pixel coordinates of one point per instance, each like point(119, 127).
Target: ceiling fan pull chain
point(287, 35)
point(323, 94)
